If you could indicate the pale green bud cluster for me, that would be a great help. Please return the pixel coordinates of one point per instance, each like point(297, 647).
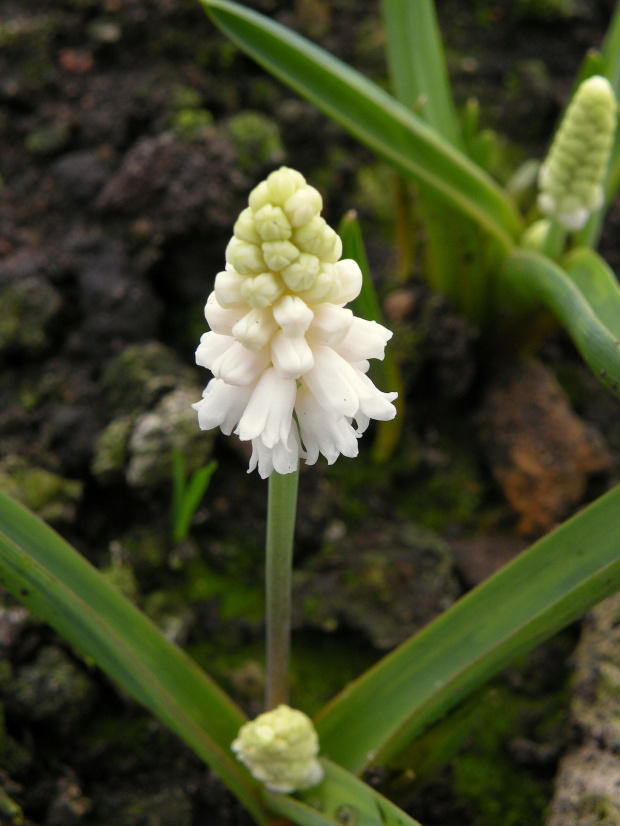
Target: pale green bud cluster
point(572, 175)
point(280, 245)
point(280, 749)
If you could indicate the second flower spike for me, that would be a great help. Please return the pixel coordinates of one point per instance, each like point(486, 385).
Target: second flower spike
point(289, 361)
point(571, 178)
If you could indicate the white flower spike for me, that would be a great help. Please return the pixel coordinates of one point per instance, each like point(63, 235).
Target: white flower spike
point(288, 359)
point(280, 749)
point(571, 178)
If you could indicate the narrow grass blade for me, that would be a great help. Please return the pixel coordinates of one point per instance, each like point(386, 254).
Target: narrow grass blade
point(190, 499)
point(543, 590)
point(178, 484)
point(367, 306)
point(58, 584)
point(340, 799)
point(535, 275)
point(417, 65)
point(371, 115)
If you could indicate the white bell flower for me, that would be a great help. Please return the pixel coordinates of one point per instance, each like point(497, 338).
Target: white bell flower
point(288, 360)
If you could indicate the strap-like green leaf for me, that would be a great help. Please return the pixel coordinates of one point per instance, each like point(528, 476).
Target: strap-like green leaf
point(340, 799)
point(371, 115)
point(598, 285)
point(52, 579)
point(544, 589)
point(584, 310)
point(417, 66)
point(367, 306)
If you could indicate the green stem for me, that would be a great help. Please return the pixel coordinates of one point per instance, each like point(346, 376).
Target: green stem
point(281, 511)
point(555, 240)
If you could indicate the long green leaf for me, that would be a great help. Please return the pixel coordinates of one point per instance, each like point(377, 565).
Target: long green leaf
point(340, 799)
point(544, 589)
point(417, 66)
point(52, 579)
point(371, 115)
point(611, 50)
point(537, 276)
point(452, 249)
point(367, 306)
point(597, 283)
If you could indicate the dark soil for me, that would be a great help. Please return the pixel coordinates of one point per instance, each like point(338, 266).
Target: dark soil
point(131, 134)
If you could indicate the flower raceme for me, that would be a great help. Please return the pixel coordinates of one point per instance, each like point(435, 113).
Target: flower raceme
point(289, 360)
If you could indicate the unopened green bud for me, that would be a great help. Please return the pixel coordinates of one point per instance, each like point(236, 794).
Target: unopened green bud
point(245, 227)
point(259, 196)
point(272, 224)
point(302, 273)
point(303, 205)
point(283, 183)
point(247, 259)
point(571, 178)
point(280, 749)
point(536, 234)
point(262, 290)
point(325, 288)
point(319, 239)
point(279, 254)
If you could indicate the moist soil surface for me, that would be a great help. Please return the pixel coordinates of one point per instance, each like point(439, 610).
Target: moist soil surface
point(131, 135)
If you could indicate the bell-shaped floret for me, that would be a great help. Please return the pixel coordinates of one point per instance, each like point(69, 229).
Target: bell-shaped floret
point(228, 289)
point(221, 320)
point(270, 410)
point(323, 431)
point(222, 405)
point(255, 329)
point(293, 315)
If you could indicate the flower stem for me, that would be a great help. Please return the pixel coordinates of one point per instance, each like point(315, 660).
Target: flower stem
point(281, 512)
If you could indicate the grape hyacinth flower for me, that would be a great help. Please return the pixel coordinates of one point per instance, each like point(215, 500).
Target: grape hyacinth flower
point(289, 360)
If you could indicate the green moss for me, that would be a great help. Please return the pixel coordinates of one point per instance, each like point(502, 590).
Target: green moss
point(110, 452)
point(47, 140)
point(486, 775)
point(323, 664)
point(236, 596)
point(26, 307)
point(451, 493)
point(190, 118)
point(50, 496)
point(256, 139)
point(25, 33)
point(137, 378)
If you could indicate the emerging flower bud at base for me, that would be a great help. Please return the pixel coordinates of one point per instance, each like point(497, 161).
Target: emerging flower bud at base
point(280, 749)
